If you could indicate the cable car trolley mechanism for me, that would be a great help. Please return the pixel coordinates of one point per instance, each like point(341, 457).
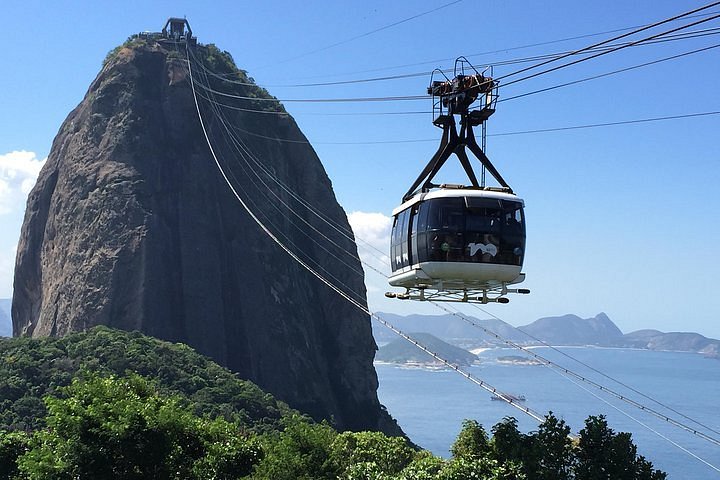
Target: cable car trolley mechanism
point(459, 243)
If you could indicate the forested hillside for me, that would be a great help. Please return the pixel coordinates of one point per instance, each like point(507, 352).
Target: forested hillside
point(33, 368)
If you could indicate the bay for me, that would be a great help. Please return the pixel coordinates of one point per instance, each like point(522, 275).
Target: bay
point(430, 404)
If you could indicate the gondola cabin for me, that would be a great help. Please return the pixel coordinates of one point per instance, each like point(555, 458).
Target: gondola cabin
point(458, 239)
point(459, 243)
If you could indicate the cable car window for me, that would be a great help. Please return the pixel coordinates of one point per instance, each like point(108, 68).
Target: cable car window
point(444, 212)
point(481, 203)
point(420, 250)
point(414, 218)
point(396, 231)
point(478, 222)
point(394, 244)
point(466, 229)
point(398, 249)
point(422, 217)
point(403, 225)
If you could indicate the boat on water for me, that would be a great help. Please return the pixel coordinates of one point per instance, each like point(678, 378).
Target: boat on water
point(514, 398)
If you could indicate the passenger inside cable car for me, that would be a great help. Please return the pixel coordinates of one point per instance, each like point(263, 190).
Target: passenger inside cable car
point(471, 229)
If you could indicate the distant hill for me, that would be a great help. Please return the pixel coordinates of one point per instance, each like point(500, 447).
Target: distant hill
point(448, 327)
point(640, 338)
point(5, 318)
point(573, 330)
point(402, 351)
point(675, 341)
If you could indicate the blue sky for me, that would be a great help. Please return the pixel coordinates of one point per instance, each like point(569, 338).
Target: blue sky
point(621, 219)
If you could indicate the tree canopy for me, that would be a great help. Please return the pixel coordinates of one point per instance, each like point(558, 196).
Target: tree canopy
point(118, 405)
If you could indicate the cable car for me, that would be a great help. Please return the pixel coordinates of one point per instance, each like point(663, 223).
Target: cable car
point(463, 243)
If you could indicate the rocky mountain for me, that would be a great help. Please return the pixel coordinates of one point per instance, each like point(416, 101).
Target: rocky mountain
point(402, 351)
point(573, 330)
point(131, 225)
point(5, 320)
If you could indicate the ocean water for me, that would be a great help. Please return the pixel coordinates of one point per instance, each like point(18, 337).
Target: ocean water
point(430, 405)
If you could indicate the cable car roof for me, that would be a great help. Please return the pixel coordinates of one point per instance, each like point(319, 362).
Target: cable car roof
point(447, 191)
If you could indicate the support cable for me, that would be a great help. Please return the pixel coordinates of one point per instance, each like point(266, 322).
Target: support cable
point(371, 32)
point(287, 238)
point(615, 49)
point(624, 35)
point(491, 52)
point(403, 76)
point(244, 153)
point(574, 82)
point(607, 74)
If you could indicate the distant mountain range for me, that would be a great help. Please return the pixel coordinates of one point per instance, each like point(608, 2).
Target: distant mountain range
point(561, 330)
point(5, 318)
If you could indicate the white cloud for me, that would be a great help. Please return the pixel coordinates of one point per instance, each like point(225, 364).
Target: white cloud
point(18, 173)
point(372, 228)
point(7, 269)
point(372, 234)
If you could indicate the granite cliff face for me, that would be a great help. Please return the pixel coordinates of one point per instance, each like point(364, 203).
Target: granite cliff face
point(131, 226)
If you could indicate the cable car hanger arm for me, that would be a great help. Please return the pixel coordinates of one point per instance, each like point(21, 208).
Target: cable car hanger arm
point(454, 143)
point(477, 151)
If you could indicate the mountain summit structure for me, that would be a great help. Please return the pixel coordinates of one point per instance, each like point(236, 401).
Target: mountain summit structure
point(131, 225)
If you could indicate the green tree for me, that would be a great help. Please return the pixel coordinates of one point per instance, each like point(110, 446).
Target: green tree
point(646, 471)
point(594, 449)
point(425, 466)
point(122, 428)
point(12, 446)
point(376, 451)
point(301, 451)
point(472, 441)
point(480, 468)
point(508, 444)
point(554, 449)
point(604, 455)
